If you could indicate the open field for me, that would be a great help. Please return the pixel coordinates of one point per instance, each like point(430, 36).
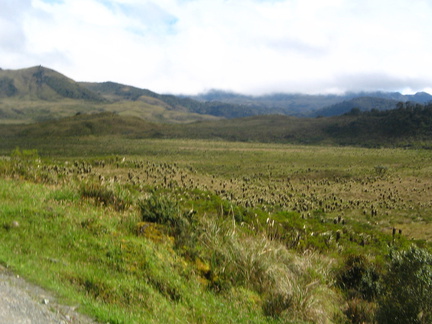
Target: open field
point(339, 181)
point(177, 230)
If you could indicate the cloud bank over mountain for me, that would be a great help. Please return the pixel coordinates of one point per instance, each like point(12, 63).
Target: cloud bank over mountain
point(248, 46)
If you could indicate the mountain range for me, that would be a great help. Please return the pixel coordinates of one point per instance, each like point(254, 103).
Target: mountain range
point(39, 103)
point(316, 105)
point(39, 93)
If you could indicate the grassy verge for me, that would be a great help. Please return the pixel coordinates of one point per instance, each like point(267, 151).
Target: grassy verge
point(90, 255)
point(123, 270)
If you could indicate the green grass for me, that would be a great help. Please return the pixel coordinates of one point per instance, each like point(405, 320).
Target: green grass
point(338, 181)
point(89, 255)
point(92, 256)
point(165, 230)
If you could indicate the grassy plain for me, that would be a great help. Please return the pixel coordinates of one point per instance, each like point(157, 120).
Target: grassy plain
point(208, 231)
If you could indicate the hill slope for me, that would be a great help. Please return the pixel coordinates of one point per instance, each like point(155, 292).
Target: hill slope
point(42, 83)
point(360, 103)
point(85, 124)
point(40, 94)
point(408, 125)
point(118, 92)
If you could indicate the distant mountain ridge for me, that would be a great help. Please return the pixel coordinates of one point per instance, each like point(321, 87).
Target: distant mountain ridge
point(361, 103)
point(117, 92)
point(50, 104)
point(303, 105)
point(31, 85)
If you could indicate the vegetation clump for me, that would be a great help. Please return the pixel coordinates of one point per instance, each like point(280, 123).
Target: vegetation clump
point(106, 195)
point(407, 288)
point(360, 278)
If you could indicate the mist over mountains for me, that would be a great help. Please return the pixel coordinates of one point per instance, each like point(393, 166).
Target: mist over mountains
point(47, 86)
point(316, 105)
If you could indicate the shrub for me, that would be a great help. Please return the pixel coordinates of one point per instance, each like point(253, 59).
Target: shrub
point(159, 209)
point(407, 294)
point(381, 170)
point(359, 278)
point(166, 211)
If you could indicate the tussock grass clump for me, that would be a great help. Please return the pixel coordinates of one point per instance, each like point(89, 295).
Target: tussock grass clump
point(229, 257)
point(293, 288)
point(107, 195)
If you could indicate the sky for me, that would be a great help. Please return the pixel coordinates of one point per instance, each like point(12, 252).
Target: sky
point(247, 46)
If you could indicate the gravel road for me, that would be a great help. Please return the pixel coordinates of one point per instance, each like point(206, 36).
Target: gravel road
point(24, 303)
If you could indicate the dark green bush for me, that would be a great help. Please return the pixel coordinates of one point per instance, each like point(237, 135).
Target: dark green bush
point(407, 296)
point(359, 278)
point(161, 210)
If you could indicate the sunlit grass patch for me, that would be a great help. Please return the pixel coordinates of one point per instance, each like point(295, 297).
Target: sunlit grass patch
point(87, 255)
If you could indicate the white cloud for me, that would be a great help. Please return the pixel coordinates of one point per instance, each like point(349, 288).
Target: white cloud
point(12, 36)
point(253, 46)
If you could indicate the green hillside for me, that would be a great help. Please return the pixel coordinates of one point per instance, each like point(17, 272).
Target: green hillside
point(118, 92)
point(42, 83)
point(137, 207)
point(40, 94)
point(408, 125)
point(83, 125)
point(219, 221)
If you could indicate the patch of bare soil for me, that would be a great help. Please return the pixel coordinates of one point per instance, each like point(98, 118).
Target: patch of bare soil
point(22, 303)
